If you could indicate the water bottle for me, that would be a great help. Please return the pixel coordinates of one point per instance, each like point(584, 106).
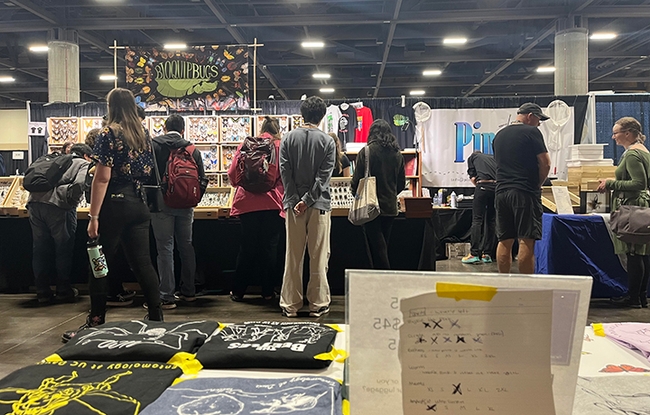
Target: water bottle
point(436, 201)
point(441, 200)
point(454, 200)
point(97, 258)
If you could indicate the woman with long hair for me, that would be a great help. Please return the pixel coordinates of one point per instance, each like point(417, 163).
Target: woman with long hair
point(387, 166)
point(630, 187)
point(118, 209)
point(262, 219)
point(342, 162)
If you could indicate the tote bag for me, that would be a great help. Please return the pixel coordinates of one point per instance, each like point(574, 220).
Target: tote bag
point(631, 224)
point(365, 206)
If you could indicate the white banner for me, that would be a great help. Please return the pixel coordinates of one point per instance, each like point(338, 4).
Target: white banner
point(451, 135)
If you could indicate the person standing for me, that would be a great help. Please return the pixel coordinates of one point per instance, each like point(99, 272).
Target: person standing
point(523, 163)
point(482, 171)
point(307, 157)
point(387, 166)
point(261, 218)
point(630, 188)
point(53, 219)
point(342, 164)
point(171, 224)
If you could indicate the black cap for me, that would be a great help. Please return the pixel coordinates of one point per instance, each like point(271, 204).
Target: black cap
point(536, 110)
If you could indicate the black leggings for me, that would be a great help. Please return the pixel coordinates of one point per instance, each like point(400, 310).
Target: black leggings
point(638, 273)
point(124, 219)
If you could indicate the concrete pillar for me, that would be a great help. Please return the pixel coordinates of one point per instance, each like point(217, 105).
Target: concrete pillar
point(571, 62)
point(63, 66)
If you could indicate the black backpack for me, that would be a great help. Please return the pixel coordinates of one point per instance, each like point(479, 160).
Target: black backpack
point(45, 173)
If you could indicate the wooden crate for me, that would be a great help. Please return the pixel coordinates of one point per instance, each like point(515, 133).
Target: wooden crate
point(5, 188)
point(213, 203)
point(589, 173)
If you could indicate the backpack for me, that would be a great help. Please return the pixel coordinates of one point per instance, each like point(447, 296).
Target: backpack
point(257, 168)
point(45, 173)
point(181, 184)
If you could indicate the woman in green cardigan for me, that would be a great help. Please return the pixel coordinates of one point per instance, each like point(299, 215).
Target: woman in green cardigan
point(630, 188)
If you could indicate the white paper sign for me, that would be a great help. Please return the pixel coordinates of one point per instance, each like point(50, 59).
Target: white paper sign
point(18, 155)
point(562, 200)
point(477, 356)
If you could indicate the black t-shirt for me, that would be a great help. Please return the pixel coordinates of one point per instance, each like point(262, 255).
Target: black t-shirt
point(345, 163)
point(402, 122)
point(515, 150)
point(483, 167)
point(347, 124)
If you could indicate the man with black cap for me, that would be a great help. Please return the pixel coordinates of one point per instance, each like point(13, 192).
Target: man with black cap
point(523, 163)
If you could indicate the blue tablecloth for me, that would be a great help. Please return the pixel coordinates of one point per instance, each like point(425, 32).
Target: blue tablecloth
point(580, 245)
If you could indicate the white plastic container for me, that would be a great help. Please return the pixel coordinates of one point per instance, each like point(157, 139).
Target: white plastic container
point(586, 151)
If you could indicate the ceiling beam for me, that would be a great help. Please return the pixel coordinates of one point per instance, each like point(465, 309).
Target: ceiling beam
point(616, 68)
point(389, 41)
point(240, 39)
point(10, 65)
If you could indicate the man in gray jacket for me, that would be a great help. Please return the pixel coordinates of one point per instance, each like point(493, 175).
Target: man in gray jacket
point(53, 218)
point(306, 164)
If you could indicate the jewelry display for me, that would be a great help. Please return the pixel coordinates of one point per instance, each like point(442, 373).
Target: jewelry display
point(341, 192)
point(296, 121)
point(227, 155)
point(62, 129)
point(210, 159)
point(157, 125)
point(5, 187)
point(213, 180)
point(89, 123)
point(202, 129)
point(219, 197)
point(283, 120)
point(235, 128)
point(83, 204)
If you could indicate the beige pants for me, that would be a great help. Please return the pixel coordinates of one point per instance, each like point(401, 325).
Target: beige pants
point(312, 229)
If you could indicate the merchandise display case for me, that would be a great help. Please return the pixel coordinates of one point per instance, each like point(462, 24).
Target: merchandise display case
point(215, 203)
point(202, 129)
point(296, 121)
point(87, 124)
point(5, 189)
point(156, 125)
point(235, 128)
point(225, 180)
point(341, 194)
point(210, 157)
point(227, 155)
point(16, 199)
point(283, 120)
point(62, 129)
point(213, 179)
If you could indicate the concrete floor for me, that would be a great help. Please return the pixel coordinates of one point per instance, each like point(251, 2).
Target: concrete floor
point(28, 333)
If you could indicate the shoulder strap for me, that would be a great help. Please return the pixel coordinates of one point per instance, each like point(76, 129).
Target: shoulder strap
point(367, 154)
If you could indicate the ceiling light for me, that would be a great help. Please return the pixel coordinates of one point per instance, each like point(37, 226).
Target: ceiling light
point(603, 36)
point(454, 40)
point(417, 92)
point(175, 46)
point(546, 69)
point(314, 44)
point(322, 76)
point(7, 79)
point(432, 72)
point(39, 48)
point(326, 90)
point(107, 77)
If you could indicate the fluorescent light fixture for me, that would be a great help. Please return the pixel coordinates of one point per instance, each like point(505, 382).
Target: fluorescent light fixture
point(39, 48)
point(314, 44)
point(603, 36)
point(175, 46)
point(417, 92)
point(432, 72)
point(107, 77)
point(546, 69)
point(454, 40)
point(7, 79)
point(326, 90)
point(322, 76)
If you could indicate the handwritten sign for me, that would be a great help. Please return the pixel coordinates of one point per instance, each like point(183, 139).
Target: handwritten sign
point(473, 356)
point(562, 200)
point(374, 318)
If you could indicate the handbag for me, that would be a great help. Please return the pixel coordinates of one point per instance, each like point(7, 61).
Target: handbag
point(153, 192)
point(631, 224)
point(365, 206)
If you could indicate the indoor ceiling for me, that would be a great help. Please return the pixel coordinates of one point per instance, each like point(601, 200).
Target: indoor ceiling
point(372, 48)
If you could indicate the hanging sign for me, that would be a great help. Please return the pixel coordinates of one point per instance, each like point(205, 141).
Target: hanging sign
point(201, 78)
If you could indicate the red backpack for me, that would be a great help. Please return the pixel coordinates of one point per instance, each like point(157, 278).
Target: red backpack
point(257, 168)
point(181, 179)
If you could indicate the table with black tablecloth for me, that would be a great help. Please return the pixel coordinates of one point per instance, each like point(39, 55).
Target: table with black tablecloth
point(580, 245)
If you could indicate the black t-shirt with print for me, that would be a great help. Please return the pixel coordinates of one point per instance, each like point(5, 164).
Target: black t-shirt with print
point(347, 124)
point(402, 122)
point(85, 388)
point(268, 344)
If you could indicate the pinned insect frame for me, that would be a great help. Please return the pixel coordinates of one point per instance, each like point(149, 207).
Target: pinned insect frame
point(594, 202)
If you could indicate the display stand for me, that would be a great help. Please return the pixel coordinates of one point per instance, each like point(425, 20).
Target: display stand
point(374, 372)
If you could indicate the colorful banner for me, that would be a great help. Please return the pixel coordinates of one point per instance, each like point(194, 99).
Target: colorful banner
point(201, 78)
point(451, 135)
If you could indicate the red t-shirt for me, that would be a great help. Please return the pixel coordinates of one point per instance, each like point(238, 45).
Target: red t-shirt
point(364, 119)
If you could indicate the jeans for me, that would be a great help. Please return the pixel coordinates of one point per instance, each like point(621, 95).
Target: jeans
point(483, 234)
point(260, 234)
point(169, 225)
point(53, 234)
point(124, 219)
point(377, 233)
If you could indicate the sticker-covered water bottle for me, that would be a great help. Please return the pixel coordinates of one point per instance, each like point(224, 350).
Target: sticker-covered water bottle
point(97, 258)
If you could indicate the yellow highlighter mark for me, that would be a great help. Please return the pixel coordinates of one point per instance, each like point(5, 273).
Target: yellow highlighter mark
point(465, 291)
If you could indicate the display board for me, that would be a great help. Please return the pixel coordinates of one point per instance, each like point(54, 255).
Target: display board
point(374, 376)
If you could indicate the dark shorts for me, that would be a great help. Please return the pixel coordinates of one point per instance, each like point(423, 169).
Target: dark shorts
point(519, 215)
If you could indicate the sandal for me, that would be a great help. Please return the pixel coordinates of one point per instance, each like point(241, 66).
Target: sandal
point(236, 298)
